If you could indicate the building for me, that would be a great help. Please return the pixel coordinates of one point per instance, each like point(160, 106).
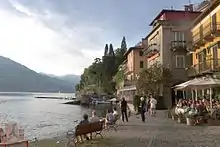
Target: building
point(206, 42)
point(135, 62)
point(167, 45)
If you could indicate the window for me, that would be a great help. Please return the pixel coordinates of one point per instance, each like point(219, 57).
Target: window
point(179, 36)
point(141, 64)
point(180, 61)
point(141, 53)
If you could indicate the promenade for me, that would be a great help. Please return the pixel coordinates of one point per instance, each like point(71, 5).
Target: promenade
point(156, 132)
point(160, 132)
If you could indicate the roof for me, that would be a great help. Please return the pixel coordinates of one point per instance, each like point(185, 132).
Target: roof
point(132, 48)
point(167, 11)
point(206, 12)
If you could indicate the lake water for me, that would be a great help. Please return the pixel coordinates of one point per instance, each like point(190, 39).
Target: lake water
point(41, 118)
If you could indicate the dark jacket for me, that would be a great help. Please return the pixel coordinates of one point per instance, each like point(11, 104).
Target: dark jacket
point(124, 106)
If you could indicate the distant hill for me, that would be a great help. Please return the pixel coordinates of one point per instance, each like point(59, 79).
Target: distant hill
point(69, 78)
point(15, 77)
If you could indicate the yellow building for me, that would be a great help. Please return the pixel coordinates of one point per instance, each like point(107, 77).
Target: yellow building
point(135, 62)
point(206, 42)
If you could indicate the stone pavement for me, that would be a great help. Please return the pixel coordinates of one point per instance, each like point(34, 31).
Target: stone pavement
point(162, 132)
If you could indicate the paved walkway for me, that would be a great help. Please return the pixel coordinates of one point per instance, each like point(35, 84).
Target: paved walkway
point(161, 132)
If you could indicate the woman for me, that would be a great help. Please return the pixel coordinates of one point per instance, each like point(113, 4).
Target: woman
point(153, 103)
point(109, 117)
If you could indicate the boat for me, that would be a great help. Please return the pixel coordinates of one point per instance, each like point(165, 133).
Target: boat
point(102, 102)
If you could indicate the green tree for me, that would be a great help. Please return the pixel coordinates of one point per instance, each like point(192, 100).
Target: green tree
point(124, 44)
point(106, 50)
point(150, 80)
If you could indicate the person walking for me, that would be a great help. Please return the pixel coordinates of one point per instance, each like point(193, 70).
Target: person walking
point(153, 103)
point(143, 109)
point(124, 107)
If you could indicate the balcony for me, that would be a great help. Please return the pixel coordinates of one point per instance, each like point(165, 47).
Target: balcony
point(210, 31)
point(206, 34)
point(208, 66)
point(151, 50)
point(178, 46)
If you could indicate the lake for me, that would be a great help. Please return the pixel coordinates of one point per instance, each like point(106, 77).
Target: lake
point(41, 118)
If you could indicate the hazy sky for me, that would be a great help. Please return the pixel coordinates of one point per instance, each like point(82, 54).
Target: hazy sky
point(64, 36)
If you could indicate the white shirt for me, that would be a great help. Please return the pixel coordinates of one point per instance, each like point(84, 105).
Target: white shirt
point(153, 103)
point(94, 119)
point(115, 113)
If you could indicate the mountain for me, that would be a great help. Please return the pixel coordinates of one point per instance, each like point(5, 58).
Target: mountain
point(15, 77)
point(74, 79)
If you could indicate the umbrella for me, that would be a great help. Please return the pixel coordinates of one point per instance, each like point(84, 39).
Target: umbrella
point(208, 83)
point(186, 84)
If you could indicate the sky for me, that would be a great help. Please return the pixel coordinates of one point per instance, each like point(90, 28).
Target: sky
point(64, 36)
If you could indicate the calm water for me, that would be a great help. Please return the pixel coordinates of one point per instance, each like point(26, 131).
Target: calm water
point(41, 118)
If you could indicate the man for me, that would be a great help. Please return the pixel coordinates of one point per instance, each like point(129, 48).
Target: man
point(124, 107)
point(143, 109)
point(94, 117)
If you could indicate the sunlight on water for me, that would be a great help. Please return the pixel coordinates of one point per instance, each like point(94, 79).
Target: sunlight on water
point(40, 117)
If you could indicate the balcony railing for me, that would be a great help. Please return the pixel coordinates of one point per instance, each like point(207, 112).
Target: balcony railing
point(207, 32)
point(207, 66)
point(196, 37)
point(178, 45)
point(151, 50)
point(210, 29)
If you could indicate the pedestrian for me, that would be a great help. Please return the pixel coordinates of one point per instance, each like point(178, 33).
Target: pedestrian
point(124, 107)
point(143, 107)
point(153, 103)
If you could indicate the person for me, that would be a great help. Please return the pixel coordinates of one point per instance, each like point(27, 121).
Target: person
point(124, 107)
point(115, 113)
point(94, 117)
point(85, 121)
point(109, 117)
point(143, 109)
point(153, 103)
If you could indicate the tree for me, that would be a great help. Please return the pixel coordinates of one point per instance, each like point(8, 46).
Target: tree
point(124, 44)
point(106, 50)
point(111, 50)
point(150, 80)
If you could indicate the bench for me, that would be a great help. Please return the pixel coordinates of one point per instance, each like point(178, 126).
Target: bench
point(84, 129)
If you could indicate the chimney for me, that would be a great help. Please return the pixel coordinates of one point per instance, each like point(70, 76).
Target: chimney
point(188, 7)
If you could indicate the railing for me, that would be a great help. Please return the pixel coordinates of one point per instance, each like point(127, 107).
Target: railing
point(207, 30)
point(151, 48)
point(209, 65)
point(196, 37)
point(178, 44)
point(210, 29)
